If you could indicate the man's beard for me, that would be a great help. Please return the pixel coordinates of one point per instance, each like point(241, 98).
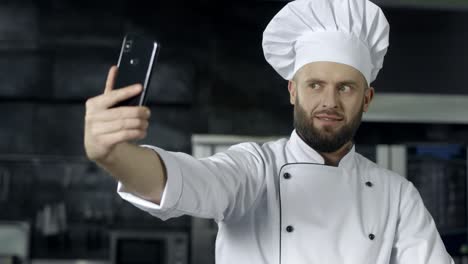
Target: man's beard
point(324, 140)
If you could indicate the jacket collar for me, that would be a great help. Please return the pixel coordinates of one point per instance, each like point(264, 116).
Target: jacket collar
point(301, 152)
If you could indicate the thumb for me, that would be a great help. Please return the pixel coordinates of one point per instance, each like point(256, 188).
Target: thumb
point(111, 79)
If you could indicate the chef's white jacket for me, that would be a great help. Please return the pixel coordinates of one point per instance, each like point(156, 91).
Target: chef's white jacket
point(277, 203)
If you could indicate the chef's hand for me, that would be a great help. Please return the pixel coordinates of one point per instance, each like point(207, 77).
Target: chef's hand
point(107, 127)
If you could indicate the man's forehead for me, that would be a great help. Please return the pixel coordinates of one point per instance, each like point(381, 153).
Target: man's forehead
point(329, 72)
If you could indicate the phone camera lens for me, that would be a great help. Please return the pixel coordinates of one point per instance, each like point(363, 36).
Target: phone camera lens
point(134, 61)
point(128, 46)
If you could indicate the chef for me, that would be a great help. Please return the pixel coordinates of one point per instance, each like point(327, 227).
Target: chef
point(307, 199)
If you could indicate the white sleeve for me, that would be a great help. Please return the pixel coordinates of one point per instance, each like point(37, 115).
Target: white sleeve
point(220, 187)
point(417, 240)
point(171, 193)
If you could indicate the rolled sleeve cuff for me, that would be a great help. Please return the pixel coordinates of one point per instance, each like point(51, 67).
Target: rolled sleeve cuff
point(172, 191)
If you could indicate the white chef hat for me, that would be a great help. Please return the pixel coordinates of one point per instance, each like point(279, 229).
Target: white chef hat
point(352, 32)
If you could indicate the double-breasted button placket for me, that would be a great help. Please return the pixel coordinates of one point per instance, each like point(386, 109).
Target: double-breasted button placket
point(369, 184)
point(287, 176)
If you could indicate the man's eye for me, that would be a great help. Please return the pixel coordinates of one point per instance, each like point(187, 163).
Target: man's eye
point(345, 88)
point(314, 86)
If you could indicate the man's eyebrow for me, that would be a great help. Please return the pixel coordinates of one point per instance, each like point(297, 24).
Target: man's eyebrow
point(351, 82)
point(315, 80)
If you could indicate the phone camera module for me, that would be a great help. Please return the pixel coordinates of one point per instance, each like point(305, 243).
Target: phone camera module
point(134, 62)
point(128, 46)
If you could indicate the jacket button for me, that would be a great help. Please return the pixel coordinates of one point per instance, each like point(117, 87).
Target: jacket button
point(289, 229)
point(287, 176)
point(371, 236)
point(369, 184)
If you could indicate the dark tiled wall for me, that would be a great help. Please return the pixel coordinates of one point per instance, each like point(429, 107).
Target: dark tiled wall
point(55, 55)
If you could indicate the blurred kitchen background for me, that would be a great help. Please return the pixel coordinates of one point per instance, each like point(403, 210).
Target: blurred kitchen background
point(211, 88)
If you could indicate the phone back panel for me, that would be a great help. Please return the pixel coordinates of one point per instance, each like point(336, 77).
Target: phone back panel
point(135, 65)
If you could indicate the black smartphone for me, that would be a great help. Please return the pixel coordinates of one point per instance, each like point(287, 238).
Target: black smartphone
point(137, 57)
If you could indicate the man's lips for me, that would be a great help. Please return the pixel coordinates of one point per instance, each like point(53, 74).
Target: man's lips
point(326, 117)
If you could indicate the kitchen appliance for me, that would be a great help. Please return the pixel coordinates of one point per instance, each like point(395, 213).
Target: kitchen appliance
point(14, 241)
point(148, 247)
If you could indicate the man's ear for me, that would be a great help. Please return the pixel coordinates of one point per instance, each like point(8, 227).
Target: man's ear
point(292, 91)
point(368, 96)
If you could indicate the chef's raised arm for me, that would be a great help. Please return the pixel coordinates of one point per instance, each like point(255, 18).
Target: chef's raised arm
point(417, 240)
point(166, 184)
point(221, 186)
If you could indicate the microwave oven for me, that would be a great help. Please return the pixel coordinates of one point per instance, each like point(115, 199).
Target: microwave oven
point(149, 247)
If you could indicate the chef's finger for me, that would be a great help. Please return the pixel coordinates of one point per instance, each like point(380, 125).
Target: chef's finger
point(119, 125)
point(117, 113)
point(122, 136)
point(110, 82)
point(112, 97)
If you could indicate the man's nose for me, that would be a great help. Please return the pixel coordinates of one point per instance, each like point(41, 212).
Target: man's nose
point(329, 98)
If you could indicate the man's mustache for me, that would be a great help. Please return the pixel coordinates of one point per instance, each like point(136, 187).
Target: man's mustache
point(329, 112)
